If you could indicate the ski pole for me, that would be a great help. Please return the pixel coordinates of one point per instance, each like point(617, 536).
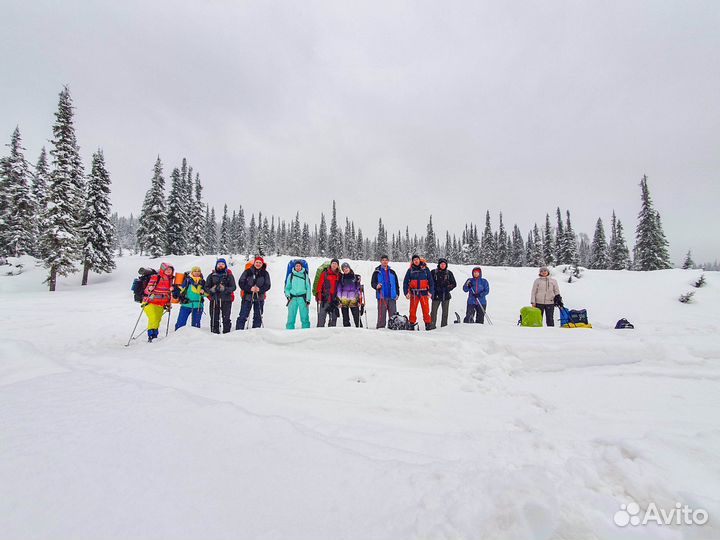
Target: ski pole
point(485, 313)
point(167, 329)
point(142, 308)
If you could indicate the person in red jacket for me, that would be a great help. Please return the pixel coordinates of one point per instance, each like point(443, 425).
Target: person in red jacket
point(419, 287)
point(327, 295)
point(157, 298)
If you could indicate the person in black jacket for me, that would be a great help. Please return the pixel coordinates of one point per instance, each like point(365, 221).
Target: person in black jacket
point(254, 283)
point(219, 287)
point(444, 283)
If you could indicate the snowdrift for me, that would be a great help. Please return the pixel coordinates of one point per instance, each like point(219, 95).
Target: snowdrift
point(465, 432)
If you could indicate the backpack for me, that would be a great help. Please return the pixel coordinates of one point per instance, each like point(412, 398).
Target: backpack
point(530, 316)
point(574, 318)
point(318, 273)
point(400, 322)
point(624, 323)
point(180, 278)
point(140, 283)
point(291, 267)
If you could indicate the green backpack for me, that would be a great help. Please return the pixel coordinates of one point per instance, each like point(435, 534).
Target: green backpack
point(318, 273)
point(530, 316)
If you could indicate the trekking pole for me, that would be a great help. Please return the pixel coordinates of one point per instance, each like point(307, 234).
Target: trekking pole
point(142, 308)
point(485, 314)
point(167, 329)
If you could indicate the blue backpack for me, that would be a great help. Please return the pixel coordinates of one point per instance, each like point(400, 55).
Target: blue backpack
point(291, 267)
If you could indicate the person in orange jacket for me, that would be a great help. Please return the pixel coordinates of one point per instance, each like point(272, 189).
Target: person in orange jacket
point(157, 298)
point(419, 287)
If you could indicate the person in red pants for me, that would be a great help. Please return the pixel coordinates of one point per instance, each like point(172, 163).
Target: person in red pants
point(419, 287)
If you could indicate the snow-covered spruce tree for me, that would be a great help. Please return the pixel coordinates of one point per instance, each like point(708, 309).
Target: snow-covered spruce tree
point(271, 246)
point(252, 237)
point(295, 236)
point(152, 224)
point(263, 238)
point(197, 228)
point(502, 254)
point(535, 256)
point(41, 181)
point(430, 253)
point(242, 231)
point(349, 240)
point(570, 247)
point(560, 240)
point(224, 241)
point(381, 243)
point(583, 250)
point(362, 254)
point(66, 196)
point(517, 250)
point(488, 250)
point(18, 216)
point(334, 239)
point(688, 263)
point(599, 248)
point(176, 220)
point(98, 233)
point(210, 231)
point(322, 237)
point(651, 246)
point(618, 253)
point(232, 233)
point(548, 243)
point(305, 241)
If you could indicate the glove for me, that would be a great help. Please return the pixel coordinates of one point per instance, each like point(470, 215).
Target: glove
point(211, 290)
point(167, 307)
point(307, 303)
point(221, 287)
point(175, 291)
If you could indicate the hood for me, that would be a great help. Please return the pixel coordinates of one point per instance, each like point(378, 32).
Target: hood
point(442, 260)
point(544, 269)
point(478, 269)
point(165, 266)
point(220, 261)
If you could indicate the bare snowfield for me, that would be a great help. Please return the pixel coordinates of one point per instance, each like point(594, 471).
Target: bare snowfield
point(465, 432)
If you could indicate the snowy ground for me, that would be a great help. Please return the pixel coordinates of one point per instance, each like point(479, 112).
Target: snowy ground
point(465, 432)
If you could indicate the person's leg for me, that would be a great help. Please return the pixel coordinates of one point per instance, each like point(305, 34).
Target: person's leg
point(550, 315)
point(469, 313)
point(182, 317)
point(480, 314)
point(258, 307)
point(425, 306)
point(292, 313)
point(355, 310)
point(215, 316)
point(304, 312)
point(414, 301)
point(197, 314)
point(226, 308)
point(382, 310)
point(445, 310)
point(345, 315)
point(392, 307)
point(245, 306)
point(434, 309)
point(322, 314)
point(333, 313)
point(154, 314)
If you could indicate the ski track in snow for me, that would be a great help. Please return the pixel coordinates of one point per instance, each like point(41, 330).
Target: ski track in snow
point(464, 432)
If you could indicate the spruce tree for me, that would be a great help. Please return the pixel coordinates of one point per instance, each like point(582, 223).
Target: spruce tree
point(334, 240)
point(570, 247)
point(362, 253)
point(381, 245)
point(618, 253)
point(61, 237)
point(242, 232)
point(517, 250)
point(501, 250)
point(651, 246)
point(263, 238)
point(561, 240)
point(295, 236)
point(97, 231)
point(487, 245)
point(18, 216)
point(41, 180)
point(210, 231)
point(548, 243)
point(197, 229)
point(535, 256)
point(322, 237)
point(252, 237)
point(224, 241)
point(688, 263)
point(598, 248)
point(430, 253)
point(584, 250)
point(305, 242)
point(176, 220)
point(152, 224)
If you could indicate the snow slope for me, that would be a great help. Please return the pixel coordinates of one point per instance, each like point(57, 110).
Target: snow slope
point(464, 432)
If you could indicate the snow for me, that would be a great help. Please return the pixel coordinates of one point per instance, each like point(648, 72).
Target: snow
point(465, 432)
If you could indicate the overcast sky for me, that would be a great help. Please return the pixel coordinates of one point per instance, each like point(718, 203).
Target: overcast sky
point(394, 109)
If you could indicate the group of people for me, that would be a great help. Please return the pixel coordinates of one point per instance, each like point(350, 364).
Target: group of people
point(337, 291)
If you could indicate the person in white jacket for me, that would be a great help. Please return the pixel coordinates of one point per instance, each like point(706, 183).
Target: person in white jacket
point(543, 295)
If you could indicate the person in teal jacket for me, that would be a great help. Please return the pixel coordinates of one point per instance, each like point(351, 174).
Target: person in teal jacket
point(192, 297)
point(298, 291)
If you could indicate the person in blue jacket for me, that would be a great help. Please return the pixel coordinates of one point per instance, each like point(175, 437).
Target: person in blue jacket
point(477, 288)
point(385, 282)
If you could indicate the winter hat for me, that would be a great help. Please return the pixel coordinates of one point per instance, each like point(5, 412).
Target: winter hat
point(415, 256)
point(165, 266)
point(544, 269)
point(442, 260)
point(345, 265)
point(259, 258)
point(195, 269)
point(478, 269)
point(383, 256)
point(220, 261)
point(334, 261)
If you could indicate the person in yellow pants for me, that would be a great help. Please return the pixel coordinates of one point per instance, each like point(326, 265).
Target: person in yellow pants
point(157, 298)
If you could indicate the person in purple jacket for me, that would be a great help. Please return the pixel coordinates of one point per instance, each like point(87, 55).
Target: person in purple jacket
point(349, 293)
